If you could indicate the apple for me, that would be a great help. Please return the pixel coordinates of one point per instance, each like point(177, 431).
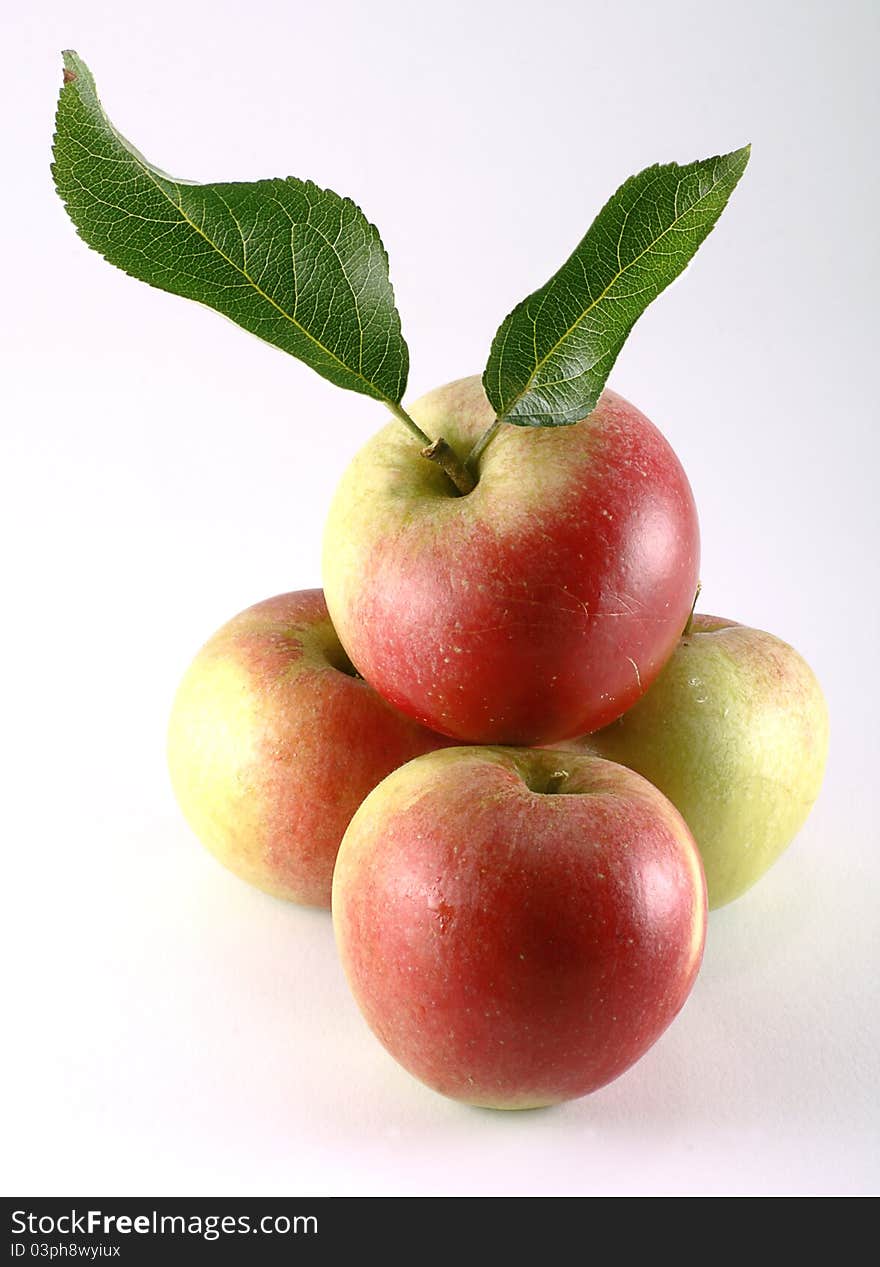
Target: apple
point(274, 741)
point(537, 607)
point(518, 926)
point(735, 732)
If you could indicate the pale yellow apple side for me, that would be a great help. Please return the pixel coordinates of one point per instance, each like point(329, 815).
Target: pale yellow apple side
point(735, 733)
point(211, 746)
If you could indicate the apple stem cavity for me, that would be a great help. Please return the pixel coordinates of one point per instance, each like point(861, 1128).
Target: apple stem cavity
point(690, 620)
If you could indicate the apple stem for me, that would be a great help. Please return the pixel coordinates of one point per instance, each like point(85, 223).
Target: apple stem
point(438, 451)
point(555, 782)
point(448, 460)
point(690, 620)
point(481, 445)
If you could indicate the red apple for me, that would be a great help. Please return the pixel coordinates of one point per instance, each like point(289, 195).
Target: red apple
point(518, 926)
point(539, 606)
point(274, 741)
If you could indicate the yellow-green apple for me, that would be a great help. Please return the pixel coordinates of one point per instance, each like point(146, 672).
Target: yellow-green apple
point(537, 607)
point(518, 926)
point(274, 741)
point(735, 732)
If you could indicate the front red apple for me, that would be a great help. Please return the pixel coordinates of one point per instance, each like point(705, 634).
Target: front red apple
point(538, 607)
point(518, 927)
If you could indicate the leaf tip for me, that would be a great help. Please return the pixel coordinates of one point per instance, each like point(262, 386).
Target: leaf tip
point(742, 155)
point(73, 67)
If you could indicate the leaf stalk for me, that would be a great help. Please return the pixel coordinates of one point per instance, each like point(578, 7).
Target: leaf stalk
point(473, 458)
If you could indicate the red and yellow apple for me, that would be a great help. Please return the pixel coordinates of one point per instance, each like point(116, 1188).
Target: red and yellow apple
point(518, 926)
point(539, 606)
point(274, 741)
point(735, 732)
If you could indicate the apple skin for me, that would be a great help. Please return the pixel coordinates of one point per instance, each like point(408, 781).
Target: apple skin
point(735, 732)
point(273, 744)
point(512, 946)
point(539, 606)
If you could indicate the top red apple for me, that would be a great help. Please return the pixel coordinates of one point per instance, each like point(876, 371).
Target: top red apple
point(539, 606)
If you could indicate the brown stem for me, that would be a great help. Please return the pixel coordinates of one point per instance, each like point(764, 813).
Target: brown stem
point(555, 782)
point(447, 459)
point(690, 621)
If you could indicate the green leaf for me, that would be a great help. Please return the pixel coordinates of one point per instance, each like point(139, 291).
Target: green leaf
point(552, 354)
point(296, 265)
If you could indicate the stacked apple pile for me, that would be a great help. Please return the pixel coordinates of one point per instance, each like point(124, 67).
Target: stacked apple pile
point(519, 924)
point(504, 748)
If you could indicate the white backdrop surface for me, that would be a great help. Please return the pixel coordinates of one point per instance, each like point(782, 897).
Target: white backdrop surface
point(170, 1031)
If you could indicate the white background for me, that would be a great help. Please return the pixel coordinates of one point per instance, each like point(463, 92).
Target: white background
point(170, 1031)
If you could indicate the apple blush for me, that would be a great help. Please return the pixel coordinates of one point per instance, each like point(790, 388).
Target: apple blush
point(517, 926)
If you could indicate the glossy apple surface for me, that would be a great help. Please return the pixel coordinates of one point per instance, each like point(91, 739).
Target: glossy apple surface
point(735, 732)
point(274, 742)
point(537, 607)
point(518, 927)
